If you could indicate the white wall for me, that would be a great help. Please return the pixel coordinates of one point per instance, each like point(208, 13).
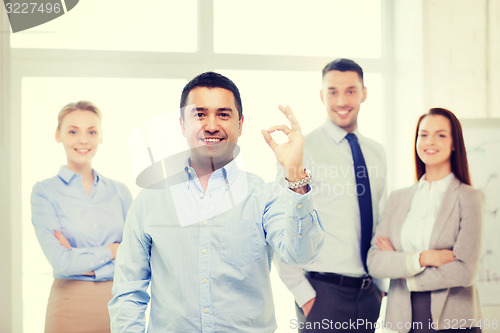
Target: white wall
point(10, 254)
point(5, 210)
point(462, 67)
point(408, 93)
point(493, 70)
point(456, 55)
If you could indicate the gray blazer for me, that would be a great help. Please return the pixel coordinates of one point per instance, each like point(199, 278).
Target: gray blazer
point(458, 226)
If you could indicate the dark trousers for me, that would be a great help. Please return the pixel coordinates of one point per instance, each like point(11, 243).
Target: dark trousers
point(339, 308)
point(422, 318)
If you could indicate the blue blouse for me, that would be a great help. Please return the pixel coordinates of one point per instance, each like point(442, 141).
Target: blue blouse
point(89, 222)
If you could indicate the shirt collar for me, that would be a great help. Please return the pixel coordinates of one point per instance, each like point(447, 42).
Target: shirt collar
point(67, 175)
point(229, 172)
point(440, 185)
point(336, 133)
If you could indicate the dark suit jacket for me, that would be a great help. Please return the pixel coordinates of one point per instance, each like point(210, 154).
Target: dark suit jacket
point(458, 227)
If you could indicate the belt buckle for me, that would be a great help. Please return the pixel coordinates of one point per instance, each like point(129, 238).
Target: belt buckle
point(366, 283)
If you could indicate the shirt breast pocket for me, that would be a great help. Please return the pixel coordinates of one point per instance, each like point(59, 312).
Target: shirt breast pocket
point(240, 242)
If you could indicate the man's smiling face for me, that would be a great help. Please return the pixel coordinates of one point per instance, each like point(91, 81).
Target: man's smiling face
point(211, 125)
point(342, 95)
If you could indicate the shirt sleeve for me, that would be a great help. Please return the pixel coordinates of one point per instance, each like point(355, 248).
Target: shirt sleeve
point(132, 275)
point(291, 275)
point(126, 197)
point(295, 280)
point(106, 272)
point(68, 262)
point(292, 226)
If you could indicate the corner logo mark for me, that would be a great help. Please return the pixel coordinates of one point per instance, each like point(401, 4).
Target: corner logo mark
point(31, 13)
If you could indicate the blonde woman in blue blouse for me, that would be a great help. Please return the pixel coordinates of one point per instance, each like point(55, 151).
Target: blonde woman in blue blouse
point(78, 217)
point(429, 239)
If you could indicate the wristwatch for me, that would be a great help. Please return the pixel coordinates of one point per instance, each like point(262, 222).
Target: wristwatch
point(301, 182)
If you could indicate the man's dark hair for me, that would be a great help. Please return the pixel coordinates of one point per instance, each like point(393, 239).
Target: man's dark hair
point(212, 80)
point(344, 65)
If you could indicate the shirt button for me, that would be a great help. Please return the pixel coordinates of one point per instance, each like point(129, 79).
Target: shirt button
point(204, 251)
point(300, 236)
point(205, 222)
point(206, 311)
point(205, 280)
point(299, 206)
point(201, 195)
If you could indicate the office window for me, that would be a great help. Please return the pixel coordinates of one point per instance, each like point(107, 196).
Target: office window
point(118, 25)
point(298, 28)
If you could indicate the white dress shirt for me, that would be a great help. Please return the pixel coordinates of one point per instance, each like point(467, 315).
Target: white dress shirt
point(416, 231)
point(328, 155)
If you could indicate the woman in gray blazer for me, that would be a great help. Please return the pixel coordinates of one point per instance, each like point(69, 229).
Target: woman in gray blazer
point(428, 240)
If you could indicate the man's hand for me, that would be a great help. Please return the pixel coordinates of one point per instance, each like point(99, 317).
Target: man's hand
point(289, 154)
point(436, 258)
point(306, 308)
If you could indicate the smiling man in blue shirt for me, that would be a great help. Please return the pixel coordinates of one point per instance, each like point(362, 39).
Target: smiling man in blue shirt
point(206, 240)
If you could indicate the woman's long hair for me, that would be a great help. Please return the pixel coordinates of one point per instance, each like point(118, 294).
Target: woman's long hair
point(458, 158)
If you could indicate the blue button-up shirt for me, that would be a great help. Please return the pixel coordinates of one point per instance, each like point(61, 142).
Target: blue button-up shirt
point(208, 255)
point(89, 222)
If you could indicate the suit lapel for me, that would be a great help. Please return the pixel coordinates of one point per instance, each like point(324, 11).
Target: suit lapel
point(402, 212)
point(449, 200)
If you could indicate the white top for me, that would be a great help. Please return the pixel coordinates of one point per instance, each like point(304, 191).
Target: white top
point(416, 231)
point(328, 156)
